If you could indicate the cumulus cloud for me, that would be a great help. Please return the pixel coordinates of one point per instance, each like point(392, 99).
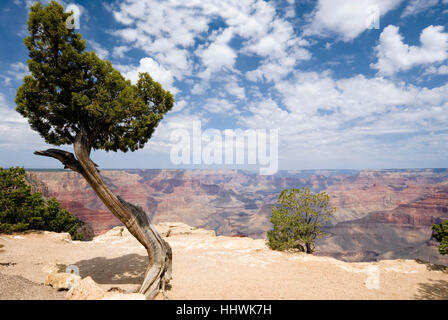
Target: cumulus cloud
point(198, 88)
point(155, 70)
point(235, 90)
point(29, 3)
point(221, 106)
point(440, 70)
point(357, 121)
point(281, 49)
point(162, 29)
point(345, 18)
point(218, 55)
point(19, 70)
point(178, 35)
point(415, 7)
point(15, 132)
point(394, 55)
point(120, 51)
point(179, 106)
point(329, 120)
point(100, 51)
point(161, 140)
point(15, 72)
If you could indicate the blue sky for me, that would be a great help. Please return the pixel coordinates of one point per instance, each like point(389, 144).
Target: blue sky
point(341, 94)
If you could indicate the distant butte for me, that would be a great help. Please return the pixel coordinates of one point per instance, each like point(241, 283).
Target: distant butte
point(381, 213)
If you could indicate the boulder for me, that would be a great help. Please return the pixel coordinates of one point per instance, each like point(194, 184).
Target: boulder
point(62, 281)
point(85, 289)
point(50, 268)
point(169, 229)
point(63, 236)
point(115, 232)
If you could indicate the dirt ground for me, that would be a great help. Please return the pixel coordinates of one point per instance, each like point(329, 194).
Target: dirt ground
point(209, 267)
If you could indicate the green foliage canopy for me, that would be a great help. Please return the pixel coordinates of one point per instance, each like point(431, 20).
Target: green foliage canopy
point(298, 220)
point(441, 235)
point(72, 91)
point(21, 209)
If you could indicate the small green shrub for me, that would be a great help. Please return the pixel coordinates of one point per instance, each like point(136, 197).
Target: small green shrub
point(21, 209)
point(441, 235)
point(298, 220)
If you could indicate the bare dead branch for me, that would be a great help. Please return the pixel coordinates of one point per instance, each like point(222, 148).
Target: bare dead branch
point(66, 158)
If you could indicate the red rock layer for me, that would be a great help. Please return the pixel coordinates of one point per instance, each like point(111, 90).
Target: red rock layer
point(239, 203)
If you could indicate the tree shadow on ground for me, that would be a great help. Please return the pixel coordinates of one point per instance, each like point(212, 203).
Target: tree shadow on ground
point(433, 290)
point(433, 267)
point(127, 269)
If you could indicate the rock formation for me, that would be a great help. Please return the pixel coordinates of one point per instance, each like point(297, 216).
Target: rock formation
point(393, 205)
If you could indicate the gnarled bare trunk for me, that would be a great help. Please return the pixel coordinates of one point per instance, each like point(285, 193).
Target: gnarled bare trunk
point(159, 270)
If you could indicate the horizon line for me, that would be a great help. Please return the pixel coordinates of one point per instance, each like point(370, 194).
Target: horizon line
point(244, 169)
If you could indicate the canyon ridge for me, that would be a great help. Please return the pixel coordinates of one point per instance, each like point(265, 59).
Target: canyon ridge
point(381, 214)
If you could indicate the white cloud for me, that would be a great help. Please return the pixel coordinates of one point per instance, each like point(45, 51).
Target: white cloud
point(415, 7)
point(266, 113)
point(266, 46)
point(394, 55)
point(218, 55)
point(176, 34)
point(221, 106)
point(320, 116)
point(155, 70)
point(339, 121)
point(441, 70)
point(16, 72)
point(163, 30)
point(100, 51)
point(15, 132)
point(9, 115)
point(29, 3)
point(234, 89)
point(311, 94)
point(345, 18)
point(198, 88)
point(161, 140)
point(179, 106)
point(281, 50)
point(19, 67)
point(120, 51)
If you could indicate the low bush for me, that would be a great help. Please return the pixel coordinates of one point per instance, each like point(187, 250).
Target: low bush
point(21, 209)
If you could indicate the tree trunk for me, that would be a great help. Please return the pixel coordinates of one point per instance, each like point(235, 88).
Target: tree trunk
point(159, 270)
point(309, 248)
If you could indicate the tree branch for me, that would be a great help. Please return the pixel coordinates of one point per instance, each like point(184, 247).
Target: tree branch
point(67, 158)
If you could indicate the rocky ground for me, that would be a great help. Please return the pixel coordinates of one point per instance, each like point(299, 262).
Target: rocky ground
point(381, 214)
point(204, 267)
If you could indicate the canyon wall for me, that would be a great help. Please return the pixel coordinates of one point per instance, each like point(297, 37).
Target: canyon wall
point(380, 213)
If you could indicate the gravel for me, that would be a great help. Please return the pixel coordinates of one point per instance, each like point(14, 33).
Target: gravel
point(19, 288)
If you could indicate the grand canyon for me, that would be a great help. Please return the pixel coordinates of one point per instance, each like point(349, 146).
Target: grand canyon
point(381, 214)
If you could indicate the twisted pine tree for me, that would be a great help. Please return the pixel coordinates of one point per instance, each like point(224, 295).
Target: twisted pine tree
point(72, 97)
